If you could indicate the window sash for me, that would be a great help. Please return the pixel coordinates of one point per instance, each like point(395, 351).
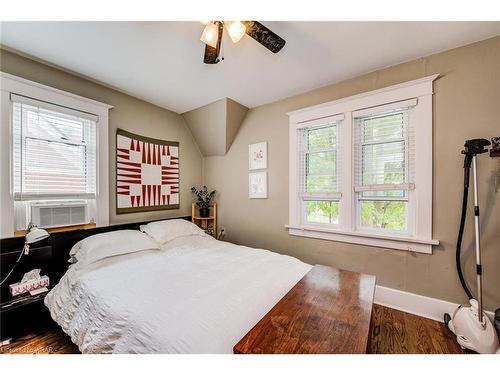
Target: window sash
point(364, 178)
point(360, 141)
point(45, 141)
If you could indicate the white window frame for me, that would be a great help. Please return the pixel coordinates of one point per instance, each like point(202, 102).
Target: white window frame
point(419, 90)
point(12, 84)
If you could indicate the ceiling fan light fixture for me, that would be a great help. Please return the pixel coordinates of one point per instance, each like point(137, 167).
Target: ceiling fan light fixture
point(236, 30)
point(210, 34)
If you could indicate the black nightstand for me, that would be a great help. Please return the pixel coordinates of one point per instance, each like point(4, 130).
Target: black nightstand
point(22, 314)
point(26, 313)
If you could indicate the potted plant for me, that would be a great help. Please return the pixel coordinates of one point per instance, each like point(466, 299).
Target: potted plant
point(203, 199)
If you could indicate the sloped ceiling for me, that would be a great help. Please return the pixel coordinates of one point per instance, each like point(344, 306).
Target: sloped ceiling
point(215, 125)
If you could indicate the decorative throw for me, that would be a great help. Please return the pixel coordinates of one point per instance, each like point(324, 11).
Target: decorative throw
point(147, 173)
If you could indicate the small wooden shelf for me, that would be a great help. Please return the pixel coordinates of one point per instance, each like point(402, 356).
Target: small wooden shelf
point(204, 222)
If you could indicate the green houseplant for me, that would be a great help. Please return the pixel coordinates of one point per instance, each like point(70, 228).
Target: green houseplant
point(203, 199)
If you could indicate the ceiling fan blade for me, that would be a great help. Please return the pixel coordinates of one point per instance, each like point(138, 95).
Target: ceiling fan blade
point(264, 36)
point(211, 53)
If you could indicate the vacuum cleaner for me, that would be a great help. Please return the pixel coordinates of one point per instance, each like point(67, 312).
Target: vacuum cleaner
point(473, 328)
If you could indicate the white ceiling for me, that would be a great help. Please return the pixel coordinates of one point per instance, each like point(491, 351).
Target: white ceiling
point(162, 62)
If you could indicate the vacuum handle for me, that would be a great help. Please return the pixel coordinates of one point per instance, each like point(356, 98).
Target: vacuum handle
point(479, 272)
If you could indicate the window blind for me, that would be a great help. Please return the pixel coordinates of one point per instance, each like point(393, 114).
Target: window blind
point(319, 161)
point(54, 151)
point(384, 154)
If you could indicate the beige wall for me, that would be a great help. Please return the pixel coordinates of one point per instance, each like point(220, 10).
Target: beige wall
point(466, 105)
point(129, 113)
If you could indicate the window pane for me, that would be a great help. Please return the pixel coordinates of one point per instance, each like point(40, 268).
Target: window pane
point(322, 138)
point(53, 167)
point(383, 163)
point(321, 184)
point(46, 124)
point(321, 163)
point(383, 128)
point(322, 212)
point(390, 215)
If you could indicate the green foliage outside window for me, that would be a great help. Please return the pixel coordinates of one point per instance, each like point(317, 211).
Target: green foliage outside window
point(384, 214)
point(323, 212)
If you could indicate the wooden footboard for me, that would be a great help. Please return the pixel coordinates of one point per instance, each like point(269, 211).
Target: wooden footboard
point(327, 311)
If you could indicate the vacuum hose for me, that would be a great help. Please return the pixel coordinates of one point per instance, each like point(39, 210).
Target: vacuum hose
point(462, 225)
point(473, 147)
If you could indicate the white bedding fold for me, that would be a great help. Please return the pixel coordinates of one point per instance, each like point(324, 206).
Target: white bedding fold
point(196, 295)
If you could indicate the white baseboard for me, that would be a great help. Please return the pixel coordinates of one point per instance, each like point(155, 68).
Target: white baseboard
point(416, 304)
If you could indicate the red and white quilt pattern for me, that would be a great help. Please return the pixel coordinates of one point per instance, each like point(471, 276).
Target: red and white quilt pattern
point(147, 173)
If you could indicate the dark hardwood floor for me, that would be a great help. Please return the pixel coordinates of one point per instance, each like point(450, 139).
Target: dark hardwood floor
point(397, 332)
point(49, 341)
point(392, 332)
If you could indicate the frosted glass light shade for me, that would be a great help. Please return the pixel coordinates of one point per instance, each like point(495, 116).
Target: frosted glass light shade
point(236, 30)
point(210, 34)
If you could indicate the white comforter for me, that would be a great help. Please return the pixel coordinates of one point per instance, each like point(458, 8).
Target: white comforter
point(196, 295)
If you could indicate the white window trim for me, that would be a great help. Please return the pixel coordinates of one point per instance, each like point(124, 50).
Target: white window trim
point(12, 84)
point(420, 90)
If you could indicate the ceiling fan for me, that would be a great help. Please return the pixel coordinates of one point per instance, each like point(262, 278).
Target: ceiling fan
point(212, 37)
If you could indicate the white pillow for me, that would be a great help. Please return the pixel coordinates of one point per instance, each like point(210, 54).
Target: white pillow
point(167, 230)
point(104, 245)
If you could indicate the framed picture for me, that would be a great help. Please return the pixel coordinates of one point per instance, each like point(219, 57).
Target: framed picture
point(257, 156)
point(257, 185)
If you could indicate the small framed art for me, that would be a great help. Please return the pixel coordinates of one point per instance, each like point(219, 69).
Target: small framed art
point(257, 185)
point(257, 156)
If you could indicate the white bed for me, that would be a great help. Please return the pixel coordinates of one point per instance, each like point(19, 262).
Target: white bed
point(193, 295)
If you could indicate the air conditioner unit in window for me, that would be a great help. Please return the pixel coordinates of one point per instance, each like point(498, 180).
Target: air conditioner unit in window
point(50, 214)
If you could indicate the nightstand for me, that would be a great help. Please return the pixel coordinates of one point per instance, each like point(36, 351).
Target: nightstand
point(22, 314)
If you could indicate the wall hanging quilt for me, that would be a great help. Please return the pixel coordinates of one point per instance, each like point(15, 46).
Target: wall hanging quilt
point(147, 173)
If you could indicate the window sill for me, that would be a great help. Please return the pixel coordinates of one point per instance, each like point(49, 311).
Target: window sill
point(369, 239)
point(21, 233)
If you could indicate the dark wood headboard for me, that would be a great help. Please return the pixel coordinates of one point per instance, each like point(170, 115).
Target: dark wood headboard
point(51, 254)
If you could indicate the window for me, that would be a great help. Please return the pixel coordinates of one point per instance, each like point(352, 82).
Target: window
point(320, 171)
point(382, 194)
point(383, 162)
point(54, 151)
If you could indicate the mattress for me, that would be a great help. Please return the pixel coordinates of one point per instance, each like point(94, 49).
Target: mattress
point(195, 295)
